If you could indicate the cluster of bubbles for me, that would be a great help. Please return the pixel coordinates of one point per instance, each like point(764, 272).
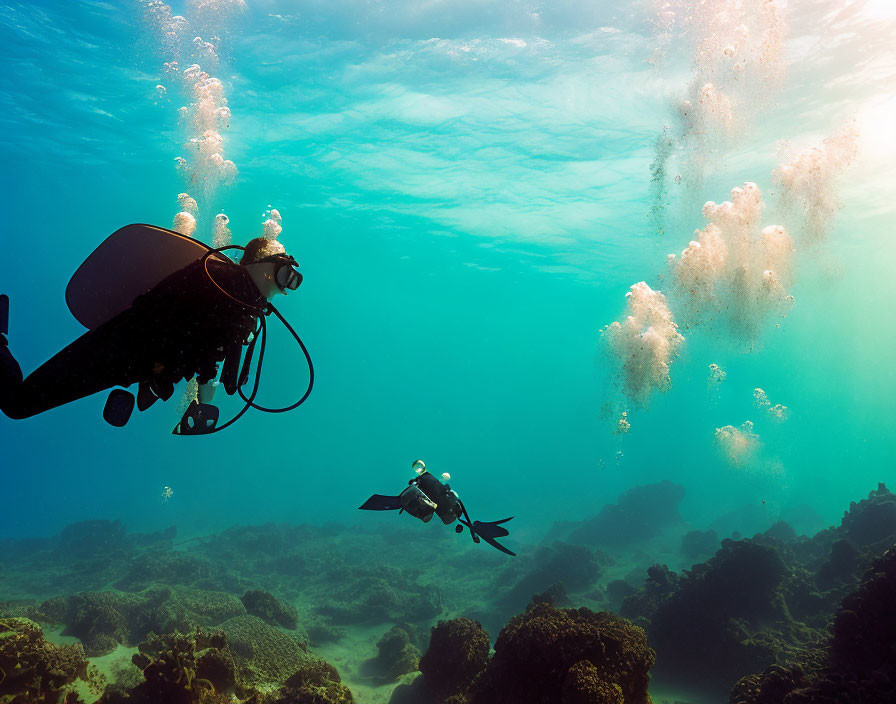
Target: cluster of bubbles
point(733, 270)
point(185, 219)
point(777, 412)
point(205, 118)
point(737, 56)
point(221, 235)
point(622, 425)
point(807, 180)
point(272, 223)
point(167, 493)
point(716, 375)
point(737, 63)
point(738, 445)
point(644, 343)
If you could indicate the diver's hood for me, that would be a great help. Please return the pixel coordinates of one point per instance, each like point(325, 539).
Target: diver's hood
point(130, 262)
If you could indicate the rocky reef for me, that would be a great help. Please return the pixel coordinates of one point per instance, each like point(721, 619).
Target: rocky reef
point(546, 654)
point(33, 670)
point(758, 601)
point(639, 514)
point(858, 662)
point(244, 615)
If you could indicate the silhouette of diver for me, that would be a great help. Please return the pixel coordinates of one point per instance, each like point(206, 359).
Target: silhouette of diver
point(170, 322)
point(426, 495)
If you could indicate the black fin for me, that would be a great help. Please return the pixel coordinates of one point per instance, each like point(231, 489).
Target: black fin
point(489, 530)
point(378, 502)
point(119, 407)
point(4, 314)
point(198, 419)
point(145, 396)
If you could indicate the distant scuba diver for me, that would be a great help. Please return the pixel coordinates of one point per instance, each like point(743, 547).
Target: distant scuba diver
point(171, 314)
point(426, 496)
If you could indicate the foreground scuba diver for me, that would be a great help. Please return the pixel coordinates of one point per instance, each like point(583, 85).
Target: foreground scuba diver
point(172, 314)
point(426, 496)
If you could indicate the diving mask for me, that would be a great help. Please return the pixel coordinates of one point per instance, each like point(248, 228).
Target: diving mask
point(285, 274)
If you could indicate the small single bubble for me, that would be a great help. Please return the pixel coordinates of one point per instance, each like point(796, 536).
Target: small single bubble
point(445, 476)
point(419, 466)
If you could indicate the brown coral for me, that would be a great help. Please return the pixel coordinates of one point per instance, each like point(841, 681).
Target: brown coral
point(458, 652)
point(541, 652)
point(33, 671)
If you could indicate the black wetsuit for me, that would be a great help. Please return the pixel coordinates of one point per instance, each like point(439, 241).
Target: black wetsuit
point(181, 328)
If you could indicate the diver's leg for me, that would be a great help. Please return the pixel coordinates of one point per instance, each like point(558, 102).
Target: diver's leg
point(97, 360)
point(10, 374)
point(10, 371)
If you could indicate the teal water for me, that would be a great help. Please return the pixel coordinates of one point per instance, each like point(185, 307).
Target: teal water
point(468, 189)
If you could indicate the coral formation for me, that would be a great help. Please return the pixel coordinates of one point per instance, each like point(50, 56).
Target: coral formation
point(638, 514)
point(270, 609)
point(699, 543)
point(176, 568)
point(33, 671)
point(181, 669)
point(857, 665)
point(397, 654)
point(315, 682)
point(559, 565)
point(376, 595)
point(458, 652)
point(262, 653)
point(546, 650)
point(101, 620)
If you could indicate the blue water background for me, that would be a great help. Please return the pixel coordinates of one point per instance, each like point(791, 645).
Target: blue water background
point(465, 228)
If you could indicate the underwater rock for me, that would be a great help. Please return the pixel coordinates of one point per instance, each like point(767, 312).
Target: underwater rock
point(781, 531)
point(321, 630)
point(703, 632)
point(857, 666)
point(270, 609)
point(555, 595)
point(699, 543)
point(263, 654)
point(575, 567)
point(843, 562)
point(89, 538)
point(617, 591)
point(173, 568)
point(180, 669)
point(579, 652)
point(380, 595)
point(101, 620)
point(33, 670)
point(315, 682)
point(872, 522)
point(584, 685)
point(457, 653)
point(639, 514)
point(85, 556)
point(21, 608)
point(397, 655)
point(643, 604)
